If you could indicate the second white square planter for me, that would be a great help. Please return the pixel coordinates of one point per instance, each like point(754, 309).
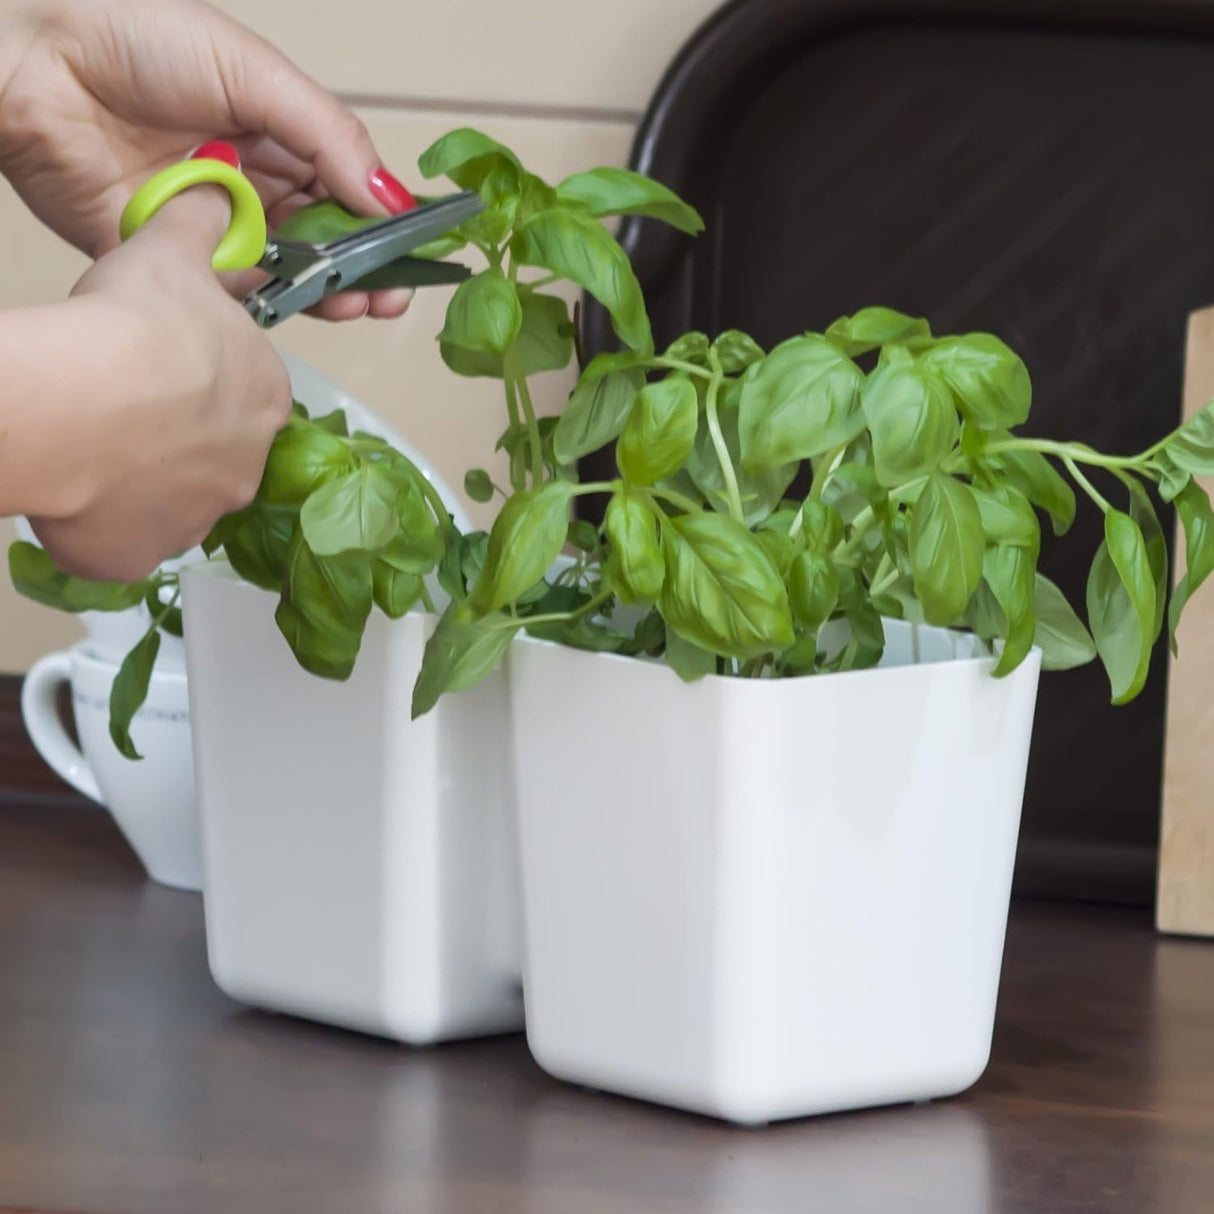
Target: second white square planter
point(760, 899)
point(359, 867)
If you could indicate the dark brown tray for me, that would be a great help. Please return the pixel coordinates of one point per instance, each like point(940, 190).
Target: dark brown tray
point(1042, 171)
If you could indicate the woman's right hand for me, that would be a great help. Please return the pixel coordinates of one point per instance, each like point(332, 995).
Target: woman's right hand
point(186, 397)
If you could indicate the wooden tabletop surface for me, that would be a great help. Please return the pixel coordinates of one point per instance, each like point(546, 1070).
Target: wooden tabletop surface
point(130, 1085)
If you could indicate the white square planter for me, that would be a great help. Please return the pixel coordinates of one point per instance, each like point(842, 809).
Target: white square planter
point(359, 868)
point(767, 899)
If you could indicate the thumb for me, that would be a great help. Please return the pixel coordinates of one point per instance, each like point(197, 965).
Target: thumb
point(194, 221)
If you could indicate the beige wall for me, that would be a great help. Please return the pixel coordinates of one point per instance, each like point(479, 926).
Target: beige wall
point(561, 81)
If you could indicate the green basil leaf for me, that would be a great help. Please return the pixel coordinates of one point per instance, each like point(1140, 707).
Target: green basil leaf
point(168, 618)
point(302, 457)
point(722, 591)
point(478, 485)
point(1010, 574)
point(484, 316)
point(1063, 640)
point(649, 637)
point(1191, 448)
point(852, 489)
point(687, 659)
point(1143, 513)
point(736, 351)
point(36, 577)
point(761, 489)
point(322, 221)
point(974, 440)
point(596, 414)
point(583, 535)
point(813, 589)
point(1121, 605)
point(256, 540)
point(620, 360)
point(1036, 478)
point(1193, 507)
point(324, 608)
point(866, 631)
point(690, 348)
point(462, 559)
point(526, 538)
point(359, 511)
point(1007, 516)
point(579, 248)
point(873, 327)
point(545, 339)
point(821, 525)
point(612, 191)
point(946, 544)
point(442, 246)
point(418, 545)
point(1172, 480)
point(459, 654)
point(802, 400)
point(473, 555)
point(984, 615)
point(468, 158)
point(213, 540)
point(334, 423)
point(780, 549)
point(130, 689)
point(912, 420)
point(582, 633)
point(636, 568)
point(988, 378)
point(552, 600)
point(660, 431)
point(393, 590)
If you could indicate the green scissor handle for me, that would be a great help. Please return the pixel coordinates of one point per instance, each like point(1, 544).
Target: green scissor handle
point(244, 243)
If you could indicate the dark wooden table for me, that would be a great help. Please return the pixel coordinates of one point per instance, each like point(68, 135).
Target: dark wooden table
point(129, 1084)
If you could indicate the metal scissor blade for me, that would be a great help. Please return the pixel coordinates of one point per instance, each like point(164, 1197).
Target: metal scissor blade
point(359, 254)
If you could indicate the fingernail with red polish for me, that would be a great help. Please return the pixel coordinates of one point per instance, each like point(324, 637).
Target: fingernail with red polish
point(388, 191)
point(217, 149)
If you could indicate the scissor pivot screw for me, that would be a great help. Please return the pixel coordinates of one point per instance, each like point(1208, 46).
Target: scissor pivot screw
point(334, 279)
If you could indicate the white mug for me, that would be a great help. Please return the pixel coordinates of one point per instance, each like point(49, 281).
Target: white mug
point(152, 800)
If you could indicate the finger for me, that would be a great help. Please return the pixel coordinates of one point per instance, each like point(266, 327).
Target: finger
point(388, 305)
point(349, 305)
point(194, 221)
point(271, 95)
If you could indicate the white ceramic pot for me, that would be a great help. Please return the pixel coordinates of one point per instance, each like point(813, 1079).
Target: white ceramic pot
point(360, 866)
point(152, 800)
point(763, 899)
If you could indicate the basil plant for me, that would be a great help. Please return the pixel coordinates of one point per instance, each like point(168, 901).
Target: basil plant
point(925, 500)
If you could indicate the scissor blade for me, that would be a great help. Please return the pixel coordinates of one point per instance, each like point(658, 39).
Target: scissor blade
point(361, 253)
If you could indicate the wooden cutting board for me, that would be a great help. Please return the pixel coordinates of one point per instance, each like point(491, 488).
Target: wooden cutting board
point(1185, 898)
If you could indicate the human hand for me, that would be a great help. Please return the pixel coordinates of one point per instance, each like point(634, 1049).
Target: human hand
point(96, 95)
point(176, 432)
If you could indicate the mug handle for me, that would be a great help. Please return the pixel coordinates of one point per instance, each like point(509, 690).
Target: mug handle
point(40, 710)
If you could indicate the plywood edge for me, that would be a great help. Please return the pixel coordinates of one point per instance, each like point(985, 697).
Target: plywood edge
point(1184, 902)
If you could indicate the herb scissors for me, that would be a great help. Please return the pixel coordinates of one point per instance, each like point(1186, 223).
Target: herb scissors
point(303, 273)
